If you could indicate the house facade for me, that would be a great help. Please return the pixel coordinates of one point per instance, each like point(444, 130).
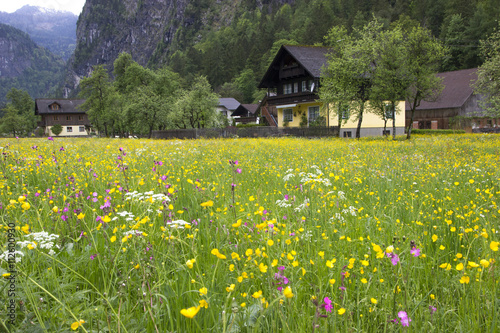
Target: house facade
point(292, 81)
point(246, 114)
point(226, 107)
point(456, 107)
point(64, 112)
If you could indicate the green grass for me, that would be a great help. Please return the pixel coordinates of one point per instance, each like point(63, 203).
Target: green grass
point(342, 203)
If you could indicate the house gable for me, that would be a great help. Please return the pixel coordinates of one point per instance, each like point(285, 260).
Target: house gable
point(293, 63)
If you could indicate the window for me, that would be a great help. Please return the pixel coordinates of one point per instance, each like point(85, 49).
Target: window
point(386, 132)
point(345, 113)
point(287, 88)
point(224, 113)
point(80, 117)
point(304, 86)
point(296, 87)
point(68, 117)
point(388, 111)
point(54, 107)
point(347, 134)
point(81, 128)
point(311, 85)
point(313, 113)
point(56, 117)
point(288, 115)
point(69, 129)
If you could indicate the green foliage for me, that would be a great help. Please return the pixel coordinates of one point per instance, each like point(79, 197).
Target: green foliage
point(346, 80)
point(19, 115)
point(56, 129)
point(33, 69)
point(195, 107)
point(488, 81)
point(99, 94)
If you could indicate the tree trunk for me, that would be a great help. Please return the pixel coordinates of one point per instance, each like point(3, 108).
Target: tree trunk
point(410, 125)
point(360, 120)
point(393, 120)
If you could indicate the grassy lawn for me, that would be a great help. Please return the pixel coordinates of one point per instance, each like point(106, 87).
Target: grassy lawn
point(251, 235)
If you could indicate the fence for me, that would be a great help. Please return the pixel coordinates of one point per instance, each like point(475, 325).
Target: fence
point(246, 132)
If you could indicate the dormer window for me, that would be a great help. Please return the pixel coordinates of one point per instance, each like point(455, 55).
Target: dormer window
point(54, 107)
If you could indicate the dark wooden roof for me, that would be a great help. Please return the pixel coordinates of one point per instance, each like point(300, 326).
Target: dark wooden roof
point(42, 106)
point(457, 90)
point(311, 58)
point(244, 108)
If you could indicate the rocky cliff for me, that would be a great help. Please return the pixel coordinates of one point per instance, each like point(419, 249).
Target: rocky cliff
point(147, 29)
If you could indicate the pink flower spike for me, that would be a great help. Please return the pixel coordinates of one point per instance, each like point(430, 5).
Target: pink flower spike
point(328, 304)
point(405, 321)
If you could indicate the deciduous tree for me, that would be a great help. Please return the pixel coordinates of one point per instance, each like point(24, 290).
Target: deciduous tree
point(488, 75)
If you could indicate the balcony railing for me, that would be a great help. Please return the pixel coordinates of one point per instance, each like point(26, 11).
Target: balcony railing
point(292, 98)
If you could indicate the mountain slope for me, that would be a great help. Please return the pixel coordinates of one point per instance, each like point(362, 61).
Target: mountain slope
point(54, 30)
point(25, 65)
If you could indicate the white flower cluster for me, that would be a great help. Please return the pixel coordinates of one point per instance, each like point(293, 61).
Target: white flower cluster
point(283, 203)
point(302, 206)
point(314, 177)
point(146, 196)
point(288, 175)
point(179, 224)
point(133, 232)
point(341, 195)
point(5, 256)
point(127, 215)
point(352, 210)
point(43, 240)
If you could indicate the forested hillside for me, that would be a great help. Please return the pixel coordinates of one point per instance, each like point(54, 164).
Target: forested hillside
point(54, 30)
point(232, 42)
point(27, 66)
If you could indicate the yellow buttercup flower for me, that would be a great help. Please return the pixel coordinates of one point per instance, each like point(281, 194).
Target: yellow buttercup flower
point(209, 203)
point(464, 279)
point(341, 311)
point(484, 263)
point(203, 291)
point(191, 312)
point(494, 246)
point(77, 324)
point(288, 292)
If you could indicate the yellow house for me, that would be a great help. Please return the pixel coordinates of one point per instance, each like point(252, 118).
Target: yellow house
point(292, 81)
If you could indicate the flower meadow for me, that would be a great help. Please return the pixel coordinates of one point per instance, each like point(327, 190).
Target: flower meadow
point(251, 235)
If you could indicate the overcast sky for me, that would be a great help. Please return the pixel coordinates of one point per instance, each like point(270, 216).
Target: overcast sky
point(74, 6)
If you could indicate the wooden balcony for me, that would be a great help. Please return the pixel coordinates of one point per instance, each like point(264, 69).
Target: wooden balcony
point(301, 97)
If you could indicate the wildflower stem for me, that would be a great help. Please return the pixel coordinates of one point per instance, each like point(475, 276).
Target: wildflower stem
point(55, 298)
point(90, 283)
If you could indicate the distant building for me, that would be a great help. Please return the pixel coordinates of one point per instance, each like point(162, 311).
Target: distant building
point(64, 112)
point(227, 106)
point(246, 114)
point(456, 103)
